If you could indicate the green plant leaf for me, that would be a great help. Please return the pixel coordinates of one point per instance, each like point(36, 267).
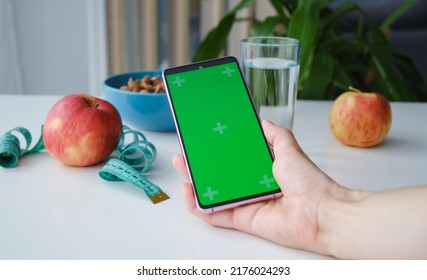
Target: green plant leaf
point(289, 5)
point(242, 4)
point(406, 64)
point(305, 25)
point(266, 27)
point(411, 76)
point(320, 76)
point(396, 14)
point(382, 57)
point(361, 57)
point(332, 17)
point(342, 79)
point(396, 89)
point(215, 41)
point(278, 7)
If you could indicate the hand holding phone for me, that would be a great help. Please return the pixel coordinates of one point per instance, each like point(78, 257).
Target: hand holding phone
point(227, 156)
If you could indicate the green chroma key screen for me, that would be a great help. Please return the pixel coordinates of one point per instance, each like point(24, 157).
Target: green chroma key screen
point(227, 154)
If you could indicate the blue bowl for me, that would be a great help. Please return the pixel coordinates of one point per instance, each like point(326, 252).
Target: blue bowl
point(146, 111)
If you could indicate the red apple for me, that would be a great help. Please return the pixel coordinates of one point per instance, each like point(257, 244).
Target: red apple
point(82, 130)
point(360, 119)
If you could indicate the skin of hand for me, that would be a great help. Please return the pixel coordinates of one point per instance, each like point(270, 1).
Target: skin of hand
point(291, 220)
point(315, 213)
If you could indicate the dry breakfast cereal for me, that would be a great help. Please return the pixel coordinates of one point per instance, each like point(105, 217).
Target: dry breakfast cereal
point(145, 85)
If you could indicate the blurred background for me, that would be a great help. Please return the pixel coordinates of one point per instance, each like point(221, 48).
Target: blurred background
point(57, 47)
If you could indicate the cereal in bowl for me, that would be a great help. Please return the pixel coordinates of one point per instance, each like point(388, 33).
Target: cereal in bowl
point(145, 85)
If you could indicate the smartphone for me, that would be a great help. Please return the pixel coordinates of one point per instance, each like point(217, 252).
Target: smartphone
point(228, 159)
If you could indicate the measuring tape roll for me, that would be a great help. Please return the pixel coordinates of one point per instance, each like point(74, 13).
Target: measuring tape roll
point(140, 155)
point(9, 150)
point(134, 159)
point(10, 146)
point(128, 161)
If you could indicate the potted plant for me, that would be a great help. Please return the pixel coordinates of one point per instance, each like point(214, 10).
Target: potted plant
point(331, 60)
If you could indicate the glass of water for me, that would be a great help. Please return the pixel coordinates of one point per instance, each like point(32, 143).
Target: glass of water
point(271, 68)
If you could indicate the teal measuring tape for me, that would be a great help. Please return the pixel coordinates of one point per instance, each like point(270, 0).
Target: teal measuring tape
point(10, 146)
point(127, 163)
point(116, 170)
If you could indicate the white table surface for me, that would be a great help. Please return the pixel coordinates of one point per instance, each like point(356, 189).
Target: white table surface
point(51, 211)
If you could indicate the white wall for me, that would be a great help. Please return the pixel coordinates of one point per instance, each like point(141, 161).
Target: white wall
point(52, 45)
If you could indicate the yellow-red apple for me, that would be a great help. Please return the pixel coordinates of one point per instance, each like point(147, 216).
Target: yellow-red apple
point(360, 119)
point(82, 130)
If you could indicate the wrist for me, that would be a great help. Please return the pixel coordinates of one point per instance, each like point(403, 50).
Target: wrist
point(336, 208)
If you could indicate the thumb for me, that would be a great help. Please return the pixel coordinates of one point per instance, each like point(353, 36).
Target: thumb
point(282, 139)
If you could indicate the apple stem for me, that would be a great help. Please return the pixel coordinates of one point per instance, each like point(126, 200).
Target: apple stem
point(354, 89)
point(96, 105)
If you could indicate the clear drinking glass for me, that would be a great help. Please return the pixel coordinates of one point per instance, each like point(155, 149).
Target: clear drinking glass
point(271, 68)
